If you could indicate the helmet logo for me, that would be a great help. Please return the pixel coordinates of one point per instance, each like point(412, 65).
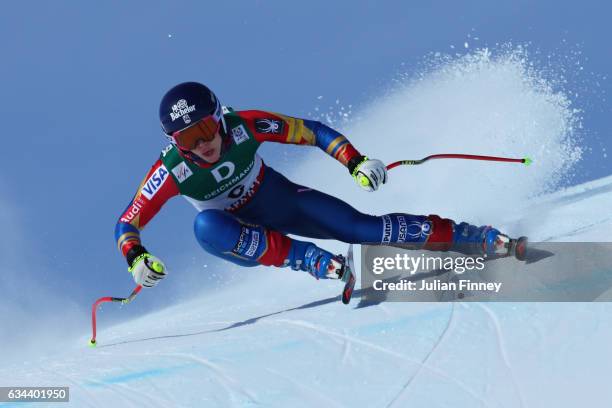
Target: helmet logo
point(181, 109)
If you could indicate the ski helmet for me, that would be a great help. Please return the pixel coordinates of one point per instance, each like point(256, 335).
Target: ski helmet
point(185, 105)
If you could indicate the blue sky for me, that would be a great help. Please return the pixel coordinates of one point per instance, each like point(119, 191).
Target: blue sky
point(81, 83)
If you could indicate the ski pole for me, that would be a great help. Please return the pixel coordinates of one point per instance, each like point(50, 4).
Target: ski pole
point(526, 161)
point(124, 301)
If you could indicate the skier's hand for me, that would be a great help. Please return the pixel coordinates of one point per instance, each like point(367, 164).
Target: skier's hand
point(369, 174)
point(147, 270)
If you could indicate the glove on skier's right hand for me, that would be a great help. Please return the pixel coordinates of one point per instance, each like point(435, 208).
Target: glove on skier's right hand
point(147, 270)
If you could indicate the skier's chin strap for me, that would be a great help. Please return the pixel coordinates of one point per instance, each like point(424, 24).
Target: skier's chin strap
point(193, 157)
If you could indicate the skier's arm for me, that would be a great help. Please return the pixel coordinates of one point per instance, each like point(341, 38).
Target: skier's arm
point(274, 127)
point(154, 191)
point(266, 126)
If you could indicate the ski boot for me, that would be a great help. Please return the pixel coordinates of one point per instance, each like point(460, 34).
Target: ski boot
point(323, 265)
point(486, 240)
point(498, 244)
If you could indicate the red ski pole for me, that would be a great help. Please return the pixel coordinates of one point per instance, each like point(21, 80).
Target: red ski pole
point(526, 161)
point(98, 302)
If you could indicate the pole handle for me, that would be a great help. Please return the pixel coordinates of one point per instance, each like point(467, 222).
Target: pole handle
point(526, 161)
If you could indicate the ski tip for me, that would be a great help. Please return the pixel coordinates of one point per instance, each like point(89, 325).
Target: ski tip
point(527, 161)
point(520, 251)
point(92, 343)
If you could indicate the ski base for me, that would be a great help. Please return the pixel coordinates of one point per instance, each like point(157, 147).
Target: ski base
point(348, 277)
point(518, 248)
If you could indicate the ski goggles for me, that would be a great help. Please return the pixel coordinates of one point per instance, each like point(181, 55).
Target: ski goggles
point(204, 129)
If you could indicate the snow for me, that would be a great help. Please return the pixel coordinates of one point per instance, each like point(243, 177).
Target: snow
point(279, 338)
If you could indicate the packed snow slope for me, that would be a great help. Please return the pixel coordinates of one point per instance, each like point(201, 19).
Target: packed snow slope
point(279, 338)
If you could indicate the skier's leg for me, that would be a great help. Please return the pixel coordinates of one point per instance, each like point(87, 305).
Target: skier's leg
point(294, 209)
point(330, 215)
point(279, 204)
point(222, 234)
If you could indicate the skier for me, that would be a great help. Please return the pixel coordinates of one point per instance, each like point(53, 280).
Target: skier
point(245, 208)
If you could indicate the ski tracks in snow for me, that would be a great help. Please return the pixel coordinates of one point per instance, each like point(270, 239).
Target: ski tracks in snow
point(90, 400)
point(502, 349)
point(129, 395)
point(233, 387)
point(424, 362)
point(309, 392)
point(419, 363)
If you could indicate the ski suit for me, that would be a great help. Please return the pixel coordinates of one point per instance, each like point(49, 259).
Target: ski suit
point(245, 208)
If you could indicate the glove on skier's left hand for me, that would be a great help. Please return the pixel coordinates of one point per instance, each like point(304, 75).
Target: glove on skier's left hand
point(369, 174)
point(146, 269)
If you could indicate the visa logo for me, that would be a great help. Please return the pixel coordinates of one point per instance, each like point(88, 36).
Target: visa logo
point(155, 181)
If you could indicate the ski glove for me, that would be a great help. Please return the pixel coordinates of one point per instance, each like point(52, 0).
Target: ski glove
point(369, 174)
point(147, 270)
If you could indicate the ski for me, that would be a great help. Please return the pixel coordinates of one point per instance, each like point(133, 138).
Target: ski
point(348, 276)
point(518, 248)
